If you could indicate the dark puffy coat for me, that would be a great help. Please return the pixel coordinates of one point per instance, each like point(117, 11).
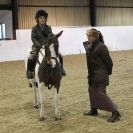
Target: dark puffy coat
point(38, 36)
point(99, 64)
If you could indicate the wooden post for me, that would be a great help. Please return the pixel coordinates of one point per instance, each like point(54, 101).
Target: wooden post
point(92, 12)
point(14, 7)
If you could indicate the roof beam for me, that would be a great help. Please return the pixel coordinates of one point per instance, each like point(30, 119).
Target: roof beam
point(5, 7)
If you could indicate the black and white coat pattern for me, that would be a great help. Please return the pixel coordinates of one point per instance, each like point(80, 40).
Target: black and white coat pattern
point(48, 73)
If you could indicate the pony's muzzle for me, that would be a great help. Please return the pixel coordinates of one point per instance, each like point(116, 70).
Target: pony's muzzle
point(49, 63)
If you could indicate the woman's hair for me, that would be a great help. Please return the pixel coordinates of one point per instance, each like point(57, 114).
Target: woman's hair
point(101, 37)
point(93, 32)
point(96, 34)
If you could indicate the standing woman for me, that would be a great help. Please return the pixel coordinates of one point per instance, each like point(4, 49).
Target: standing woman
point(99, 65)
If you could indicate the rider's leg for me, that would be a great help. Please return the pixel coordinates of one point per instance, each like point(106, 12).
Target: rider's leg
point(61, 61)
point(30, 66)
point(31, 63)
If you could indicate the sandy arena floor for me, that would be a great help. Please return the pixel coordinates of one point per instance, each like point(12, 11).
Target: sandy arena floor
point(17, 114)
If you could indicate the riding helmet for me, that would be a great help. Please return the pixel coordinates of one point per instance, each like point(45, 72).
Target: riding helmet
point(40, 13)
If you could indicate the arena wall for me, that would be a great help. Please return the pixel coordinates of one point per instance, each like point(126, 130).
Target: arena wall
point(116, 38)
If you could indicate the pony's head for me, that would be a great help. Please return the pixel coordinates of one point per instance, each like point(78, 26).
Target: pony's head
point(51, 49)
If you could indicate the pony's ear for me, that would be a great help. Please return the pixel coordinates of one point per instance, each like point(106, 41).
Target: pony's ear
point(59, 34)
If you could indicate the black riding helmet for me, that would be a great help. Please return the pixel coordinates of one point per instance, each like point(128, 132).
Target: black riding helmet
point(40, 13)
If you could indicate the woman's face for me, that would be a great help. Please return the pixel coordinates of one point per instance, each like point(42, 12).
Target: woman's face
point(90, 37)
point(42, 20)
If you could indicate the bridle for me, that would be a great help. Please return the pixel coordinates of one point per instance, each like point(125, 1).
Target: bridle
point(55, 58)
point(46, 58)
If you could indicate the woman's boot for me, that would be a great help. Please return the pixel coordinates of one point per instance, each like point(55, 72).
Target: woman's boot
point(115, 116)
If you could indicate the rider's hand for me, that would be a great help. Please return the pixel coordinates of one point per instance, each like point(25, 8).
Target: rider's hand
point(39, 46)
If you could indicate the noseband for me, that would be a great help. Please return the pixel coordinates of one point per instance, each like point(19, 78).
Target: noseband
point(55, 58)
point(50, 58)
point(45, 58)
point(43, 68)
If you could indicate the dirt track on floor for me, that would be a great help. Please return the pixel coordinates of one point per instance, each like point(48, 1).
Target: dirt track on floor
point(17, 114)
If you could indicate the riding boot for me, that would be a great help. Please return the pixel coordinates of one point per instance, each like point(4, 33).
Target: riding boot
point(31, 67)
point(29, 72)
point(115, 116)
point(92, 112)
point(61, 61)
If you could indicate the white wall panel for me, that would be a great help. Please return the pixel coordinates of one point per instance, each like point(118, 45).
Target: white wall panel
point(116, 38)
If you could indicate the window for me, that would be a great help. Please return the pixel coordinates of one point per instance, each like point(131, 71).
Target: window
point(2, 31)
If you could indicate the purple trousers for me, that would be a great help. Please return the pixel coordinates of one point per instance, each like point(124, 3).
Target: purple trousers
point(100, 100)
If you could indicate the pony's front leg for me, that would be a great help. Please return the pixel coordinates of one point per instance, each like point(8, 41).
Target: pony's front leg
point(35, 97)
point(56, 104)
point(41, 95)
point(32, 81)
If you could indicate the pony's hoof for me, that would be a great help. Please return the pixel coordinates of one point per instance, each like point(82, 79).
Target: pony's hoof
point(42, 119)
point(56, 119)
point(36, 107)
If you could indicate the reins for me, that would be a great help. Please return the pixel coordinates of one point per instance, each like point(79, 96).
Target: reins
point(43, 68)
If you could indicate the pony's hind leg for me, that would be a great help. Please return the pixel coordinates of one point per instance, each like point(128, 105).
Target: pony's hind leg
point(56, 104)
point(34, 87)
point(41, 95)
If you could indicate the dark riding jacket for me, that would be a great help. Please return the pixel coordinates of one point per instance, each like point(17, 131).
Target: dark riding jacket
point(99, 63)
point(39, 35)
